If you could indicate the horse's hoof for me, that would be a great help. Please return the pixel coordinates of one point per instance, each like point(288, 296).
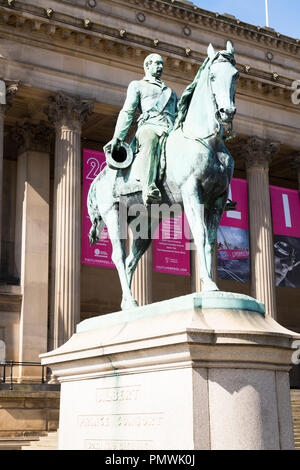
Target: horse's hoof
point(129, 304)
point(209, 286)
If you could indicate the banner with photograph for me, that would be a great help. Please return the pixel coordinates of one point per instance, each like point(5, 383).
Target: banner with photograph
point(171, 252)
point(100, 253)
point(286, 228)
point(233, 236)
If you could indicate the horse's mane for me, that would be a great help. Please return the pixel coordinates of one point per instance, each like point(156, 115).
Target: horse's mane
point(184, 102)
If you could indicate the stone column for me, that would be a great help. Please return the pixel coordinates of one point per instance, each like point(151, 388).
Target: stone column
point(32, 241)
point(67, 113)
point(7, 90)
point(142, 279)
point(196, 283)
point(258, 153)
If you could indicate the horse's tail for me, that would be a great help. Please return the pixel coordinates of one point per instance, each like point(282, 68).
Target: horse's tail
point(94, 213)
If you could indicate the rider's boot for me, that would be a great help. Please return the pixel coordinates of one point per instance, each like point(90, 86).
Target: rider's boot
point(151, 193)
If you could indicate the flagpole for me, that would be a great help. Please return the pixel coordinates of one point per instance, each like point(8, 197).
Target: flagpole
point(267, 13)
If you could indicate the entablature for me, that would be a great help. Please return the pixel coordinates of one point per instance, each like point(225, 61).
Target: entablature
point(97, 41)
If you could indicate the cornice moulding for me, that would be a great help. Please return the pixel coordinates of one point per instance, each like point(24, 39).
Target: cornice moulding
point(195, 14)
point(101, 38)
point(186, 13)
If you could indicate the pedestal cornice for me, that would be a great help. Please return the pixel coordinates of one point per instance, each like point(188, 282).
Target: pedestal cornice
point(191, 323)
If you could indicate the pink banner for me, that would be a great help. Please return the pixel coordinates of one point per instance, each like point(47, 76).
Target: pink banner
point(285, 211)
point(100, 253)
point(170, 247)
point(233, 236)
point(239, 217)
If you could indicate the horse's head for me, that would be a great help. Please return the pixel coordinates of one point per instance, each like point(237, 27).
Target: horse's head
point(223, 77)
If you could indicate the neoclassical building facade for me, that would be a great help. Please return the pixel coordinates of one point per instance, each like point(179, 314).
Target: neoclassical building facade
point(64, 69)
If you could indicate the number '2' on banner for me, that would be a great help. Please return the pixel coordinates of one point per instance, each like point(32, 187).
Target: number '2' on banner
point(100, 253)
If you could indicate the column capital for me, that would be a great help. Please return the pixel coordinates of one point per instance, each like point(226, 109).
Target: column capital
point(258, 152)
point(34, 137)
point(68, 110)
point(8, 89)
point(294, 161)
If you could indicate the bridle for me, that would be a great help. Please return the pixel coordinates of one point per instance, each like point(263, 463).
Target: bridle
point(217, 116)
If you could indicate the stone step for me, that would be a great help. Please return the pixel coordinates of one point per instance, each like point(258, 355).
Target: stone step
point(8, 443)
point(49, 442)
point(39, 448)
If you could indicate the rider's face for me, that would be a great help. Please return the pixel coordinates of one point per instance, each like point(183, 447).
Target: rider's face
point(155, 67)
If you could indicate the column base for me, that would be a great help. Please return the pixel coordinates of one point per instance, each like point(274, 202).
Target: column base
point(204, 371)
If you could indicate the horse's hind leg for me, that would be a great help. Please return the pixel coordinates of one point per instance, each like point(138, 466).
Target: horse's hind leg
point(138, 247)
point(119, 256)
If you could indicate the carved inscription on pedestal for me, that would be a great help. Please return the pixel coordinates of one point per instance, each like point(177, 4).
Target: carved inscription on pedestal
point(113, 394)
point(121, 420)
point(106, 444)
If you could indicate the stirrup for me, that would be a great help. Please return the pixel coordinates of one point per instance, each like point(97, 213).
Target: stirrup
point(153, 195)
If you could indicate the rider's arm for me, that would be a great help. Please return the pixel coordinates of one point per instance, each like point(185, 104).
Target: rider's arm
point(127, 112)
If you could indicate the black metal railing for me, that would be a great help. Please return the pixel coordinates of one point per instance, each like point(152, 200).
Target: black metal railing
point(7, 371)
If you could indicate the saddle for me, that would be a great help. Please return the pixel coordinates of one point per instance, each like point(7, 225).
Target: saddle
point(126, 184)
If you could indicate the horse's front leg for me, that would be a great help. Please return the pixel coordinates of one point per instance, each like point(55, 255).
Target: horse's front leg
point(213, 213)
point(111, 219)
point(194, 210)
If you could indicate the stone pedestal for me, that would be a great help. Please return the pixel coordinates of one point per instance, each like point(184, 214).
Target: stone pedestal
point(203, 371)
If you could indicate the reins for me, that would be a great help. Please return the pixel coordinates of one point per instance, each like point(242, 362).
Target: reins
point(230, 134)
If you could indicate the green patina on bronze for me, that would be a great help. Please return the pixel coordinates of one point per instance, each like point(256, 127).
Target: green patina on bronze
point(157, 104)
point(197, 166)
point(206, 301)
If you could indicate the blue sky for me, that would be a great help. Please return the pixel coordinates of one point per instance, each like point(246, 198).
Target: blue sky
point(284, 15)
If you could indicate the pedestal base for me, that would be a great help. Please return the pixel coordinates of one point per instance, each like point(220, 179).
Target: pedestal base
point(177, 375)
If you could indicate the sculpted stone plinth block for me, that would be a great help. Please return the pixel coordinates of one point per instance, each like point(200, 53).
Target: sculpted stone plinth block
point(203, 371)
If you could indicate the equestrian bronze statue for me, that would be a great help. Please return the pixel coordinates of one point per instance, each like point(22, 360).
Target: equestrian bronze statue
point(178, 156)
